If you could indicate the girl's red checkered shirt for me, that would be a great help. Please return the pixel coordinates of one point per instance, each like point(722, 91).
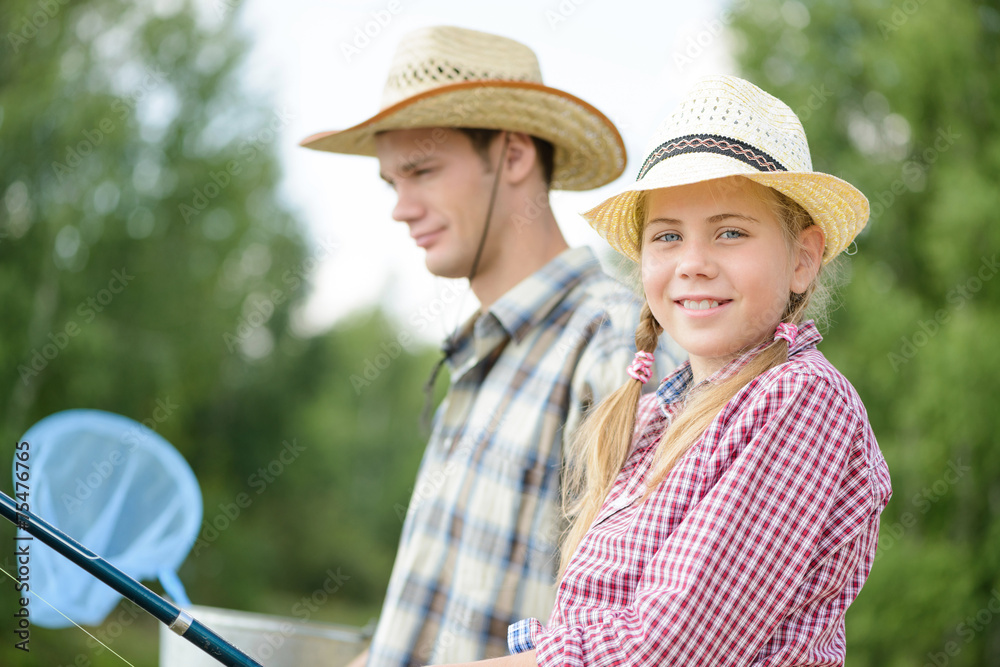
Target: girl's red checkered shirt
point(751, 549)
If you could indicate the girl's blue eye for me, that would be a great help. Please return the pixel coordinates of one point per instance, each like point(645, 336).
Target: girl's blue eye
point(669, 237)
point(732, 234)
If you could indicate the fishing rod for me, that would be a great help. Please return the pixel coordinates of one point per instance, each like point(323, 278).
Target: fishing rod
point(170, 615)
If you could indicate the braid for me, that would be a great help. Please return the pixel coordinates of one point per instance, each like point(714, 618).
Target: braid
point(602, 443)
point(647, 334)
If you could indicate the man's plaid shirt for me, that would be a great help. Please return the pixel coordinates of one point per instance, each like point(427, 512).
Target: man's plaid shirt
point(479, 543)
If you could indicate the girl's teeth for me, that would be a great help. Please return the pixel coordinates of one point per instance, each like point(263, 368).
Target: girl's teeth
point(700, 305)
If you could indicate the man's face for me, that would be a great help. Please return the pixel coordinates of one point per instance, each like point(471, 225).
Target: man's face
point(442, 193)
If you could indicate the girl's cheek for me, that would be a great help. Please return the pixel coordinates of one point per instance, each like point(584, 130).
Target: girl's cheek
point(647, 275)
point(654, 267)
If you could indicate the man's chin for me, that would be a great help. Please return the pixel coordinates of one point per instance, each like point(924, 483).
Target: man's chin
point(445, 269)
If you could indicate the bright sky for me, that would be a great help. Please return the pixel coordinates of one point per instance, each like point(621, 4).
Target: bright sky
point(324, 63)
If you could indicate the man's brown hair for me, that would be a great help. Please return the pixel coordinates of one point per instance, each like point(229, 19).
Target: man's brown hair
point(482, 138)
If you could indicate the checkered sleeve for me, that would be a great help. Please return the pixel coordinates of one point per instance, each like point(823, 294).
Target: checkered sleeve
point(782, 495)
point(521, 635)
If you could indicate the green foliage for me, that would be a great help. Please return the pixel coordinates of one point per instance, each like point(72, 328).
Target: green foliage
point(147, 268)
point(145, 260)
point(899, 98)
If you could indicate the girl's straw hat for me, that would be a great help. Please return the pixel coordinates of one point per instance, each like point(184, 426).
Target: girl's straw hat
point(726, 126)
point(453, 77)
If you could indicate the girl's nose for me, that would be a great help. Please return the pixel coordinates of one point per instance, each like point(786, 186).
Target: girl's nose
point(696, 260)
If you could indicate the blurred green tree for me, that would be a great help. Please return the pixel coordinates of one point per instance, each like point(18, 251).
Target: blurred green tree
point(147, 268)
point(900, 98)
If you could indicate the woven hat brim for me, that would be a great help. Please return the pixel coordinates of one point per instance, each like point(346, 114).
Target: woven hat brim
point(589, 151)
point(839, 208)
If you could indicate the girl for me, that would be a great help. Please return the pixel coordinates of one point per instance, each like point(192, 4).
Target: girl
point(731, 517)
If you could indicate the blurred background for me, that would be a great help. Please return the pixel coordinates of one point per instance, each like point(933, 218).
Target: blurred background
point(168, 253)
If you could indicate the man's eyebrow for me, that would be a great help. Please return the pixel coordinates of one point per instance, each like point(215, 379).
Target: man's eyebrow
point(408, 167)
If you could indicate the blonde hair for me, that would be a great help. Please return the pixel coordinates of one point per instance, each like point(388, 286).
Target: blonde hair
point(602, 443)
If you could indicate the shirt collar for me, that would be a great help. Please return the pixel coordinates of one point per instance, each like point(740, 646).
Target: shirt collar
point(520, 309)
point(676, 385)
point(532, 299)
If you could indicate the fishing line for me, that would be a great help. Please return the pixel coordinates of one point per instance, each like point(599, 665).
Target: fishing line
point(169, 614)
point(69, 619)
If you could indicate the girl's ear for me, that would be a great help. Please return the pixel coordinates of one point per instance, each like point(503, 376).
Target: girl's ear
point(808, 258)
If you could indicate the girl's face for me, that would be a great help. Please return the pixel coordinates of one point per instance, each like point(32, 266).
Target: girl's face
point(717, 269)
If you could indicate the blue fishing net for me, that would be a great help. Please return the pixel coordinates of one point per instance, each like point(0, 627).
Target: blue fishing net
point(119, 489)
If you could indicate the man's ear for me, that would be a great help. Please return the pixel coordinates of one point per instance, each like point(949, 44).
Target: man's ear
point(808, 258)
point(520, 158)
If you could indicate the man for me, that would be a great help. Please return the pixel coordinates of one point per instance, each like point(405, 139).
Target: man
point(554, 334)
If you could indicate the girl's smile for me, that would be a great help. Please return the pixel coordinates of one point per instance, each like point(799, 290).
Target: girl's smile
point(701, 306)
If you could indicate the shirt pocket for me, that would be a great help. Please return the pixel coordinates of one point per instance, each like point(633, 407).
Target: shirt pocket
point(495, 487)
point(618, 505)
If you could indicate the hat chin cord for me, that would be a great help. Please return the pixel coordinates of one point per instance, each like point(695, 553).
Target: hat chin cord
point(448, 347)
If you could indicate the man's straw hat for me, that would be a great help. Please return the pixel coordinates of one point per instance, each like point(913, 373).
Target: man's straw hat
point(453, 77)
point(726, 126)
